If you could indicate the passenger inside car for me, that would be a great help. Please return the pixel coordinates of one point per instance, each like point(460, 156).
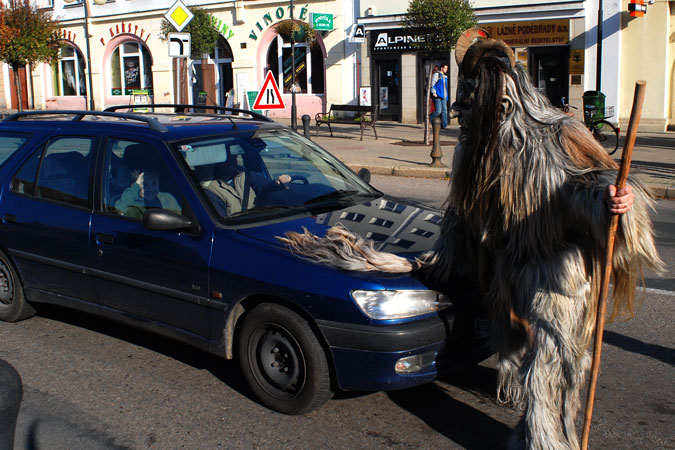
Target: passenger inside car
point(144, 193)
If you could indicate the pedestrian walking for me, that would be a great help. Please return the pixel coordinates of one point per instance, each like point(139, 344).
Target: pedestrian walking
point(439, 93)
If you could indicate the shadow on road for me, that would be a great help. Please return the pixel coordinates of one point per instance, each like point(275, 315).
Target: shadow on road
point(663, 354)
point(225, 370)
point(465, 425)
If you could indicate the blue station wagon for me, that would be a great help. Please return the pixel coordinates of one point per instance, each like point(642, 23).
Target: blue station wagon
point(168, 219)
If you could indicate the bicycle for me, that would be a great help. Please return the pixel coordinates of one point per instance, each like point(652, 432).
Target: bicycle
point(603, 131)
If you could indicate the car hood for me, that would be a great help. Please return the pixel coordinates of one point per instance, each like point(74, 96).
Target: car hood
point(395, 225)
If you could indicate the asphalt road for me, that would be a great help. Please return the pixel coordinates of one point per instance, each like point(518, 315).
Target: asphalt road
point(94, 384)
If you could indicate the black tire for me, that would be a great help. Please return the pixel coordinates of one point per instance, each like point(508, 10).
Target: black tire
point(13, 304)
point(282, 360)
point(607, 134)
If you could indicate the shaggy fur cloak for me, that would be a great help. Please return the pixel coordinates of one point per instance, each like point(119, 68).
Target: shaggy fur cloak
point(526, 221)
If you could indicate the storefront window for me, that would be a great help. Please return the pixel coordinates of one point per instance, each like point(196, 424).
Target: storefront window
point(309, 66)
point(68, 73)
point(130, 68)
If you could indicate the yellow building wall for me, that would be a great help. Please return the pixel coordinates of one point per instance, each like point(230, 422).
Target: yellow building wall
point(647, 54)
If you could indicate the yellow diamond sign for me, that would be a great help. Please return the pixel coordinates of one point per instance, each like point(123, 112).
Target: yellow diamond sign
point(179, 16)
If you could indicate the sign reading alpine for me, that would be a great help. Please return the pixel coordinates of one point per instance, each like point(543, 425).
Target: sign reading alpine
point(393, 41)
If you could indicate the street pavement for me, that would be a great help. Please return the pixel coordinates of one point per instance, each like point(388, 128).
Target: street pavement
point(399, 151)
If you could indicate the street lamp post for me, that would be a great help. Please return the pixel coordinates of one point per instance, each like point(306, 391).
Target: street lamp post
point(598, 62)
point(294, 111)
point(90, 93)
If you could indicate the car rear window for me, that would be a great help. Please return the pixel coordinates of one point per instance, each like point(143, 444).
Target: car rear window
point(10, 143)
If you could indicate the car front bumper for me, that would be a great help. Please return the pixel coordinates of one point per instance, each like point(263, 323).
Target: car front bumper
point(365, 356)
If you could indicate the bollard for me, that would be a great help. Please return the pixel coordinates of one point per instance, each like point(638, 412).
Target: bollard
point(305, 125)
point(11, 392)
point(436, 153)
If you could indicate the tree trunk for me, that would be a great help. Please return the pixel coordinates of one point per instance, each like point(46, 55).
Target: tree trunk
point(427, 100)
point(17, 85)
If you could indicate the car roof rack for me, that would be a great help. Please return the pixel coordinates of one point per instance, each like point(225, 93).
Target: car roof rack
point(153, 123)
point(180, 109)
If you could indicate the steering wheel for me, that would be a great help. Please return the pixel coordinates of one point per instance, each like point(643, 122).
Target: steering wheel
point(299, 178)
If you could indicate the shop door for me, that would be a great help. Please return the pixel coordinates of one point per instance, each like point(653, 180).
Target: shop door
point(388, 95)
point(550, 66)
point(225, 82)
point(24, 88)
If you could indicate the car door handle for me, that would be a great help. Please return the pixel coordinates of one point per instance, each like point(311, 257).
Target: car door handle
point(102, 238)
point(9, 218)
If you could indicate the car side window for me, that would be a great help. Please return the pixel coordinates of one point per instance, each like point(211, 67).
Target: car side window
point(62, 172)
point(65, 169)
point(10, 143)
point(24, 181)
point(135, 178)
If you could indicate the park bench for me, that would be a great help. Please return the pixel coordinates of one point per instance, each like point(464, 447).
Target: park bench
point(365, 116)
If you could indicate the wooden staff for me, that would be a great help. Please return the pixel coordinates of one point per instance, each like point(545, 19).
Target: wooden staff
point(638, 99)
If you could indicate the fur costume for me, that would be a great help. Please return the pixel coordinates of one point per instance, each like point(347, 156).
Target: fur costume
point(526, 222)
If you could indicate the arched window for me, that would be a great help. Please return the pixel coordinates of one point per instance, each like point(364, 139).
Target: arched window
point(68, 73)
point(309, 65)
point(131, 68)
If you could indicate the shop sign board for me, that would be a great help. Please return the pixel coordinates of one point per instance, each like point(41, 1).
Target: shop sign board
point(530, 33)
point(179, 15)
point(576, 61)
point(140, 97)
point(364, 96)
point(384, 98)
point(321, 21)
point(393, 40)
point(359, 35)
point(250, 97)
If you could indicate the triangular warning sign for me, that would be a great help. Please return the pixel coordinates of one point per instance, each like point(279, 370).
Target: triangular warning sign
point(269, 96)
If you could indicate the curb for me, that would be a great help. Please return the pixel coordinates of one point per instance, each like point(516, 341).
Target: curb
point(658, 191)
point(404, 171)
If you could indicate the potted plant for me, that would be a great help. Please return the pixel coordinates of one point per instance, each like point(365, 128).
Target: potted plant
point(295, 30)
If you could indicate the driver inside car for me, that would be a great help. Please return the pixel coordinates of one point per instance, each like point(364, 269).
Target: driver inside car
point(230, 183)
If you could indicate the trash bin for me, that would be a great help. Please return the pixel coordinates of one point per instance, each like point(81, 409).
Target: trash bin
point(594, 105)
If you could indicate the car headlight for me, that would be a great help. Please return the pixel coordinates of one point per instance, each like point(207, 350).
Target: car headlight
point(399, 304)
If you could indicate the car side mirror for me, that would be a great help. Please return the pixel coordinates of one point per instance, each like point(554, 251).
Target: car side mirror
point(166, 220)
point(364, 174)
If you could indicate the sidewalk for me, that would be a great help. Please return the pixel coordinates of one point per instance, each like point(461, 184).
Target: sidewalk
point(399, 151)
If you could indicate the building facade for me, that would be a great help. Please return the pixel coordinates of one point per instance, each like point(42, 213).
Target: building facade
point(556, 40)
point(127, 55)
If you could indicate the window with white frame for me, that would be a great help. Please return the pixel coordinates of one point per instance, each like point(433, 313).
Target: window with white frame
point(130, 69)
point(309, 66)
point(68, 73)
point(43, 4)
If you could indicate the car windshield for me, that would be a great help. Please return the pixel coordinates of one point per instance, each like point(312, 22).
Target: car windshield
point(249, 176)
